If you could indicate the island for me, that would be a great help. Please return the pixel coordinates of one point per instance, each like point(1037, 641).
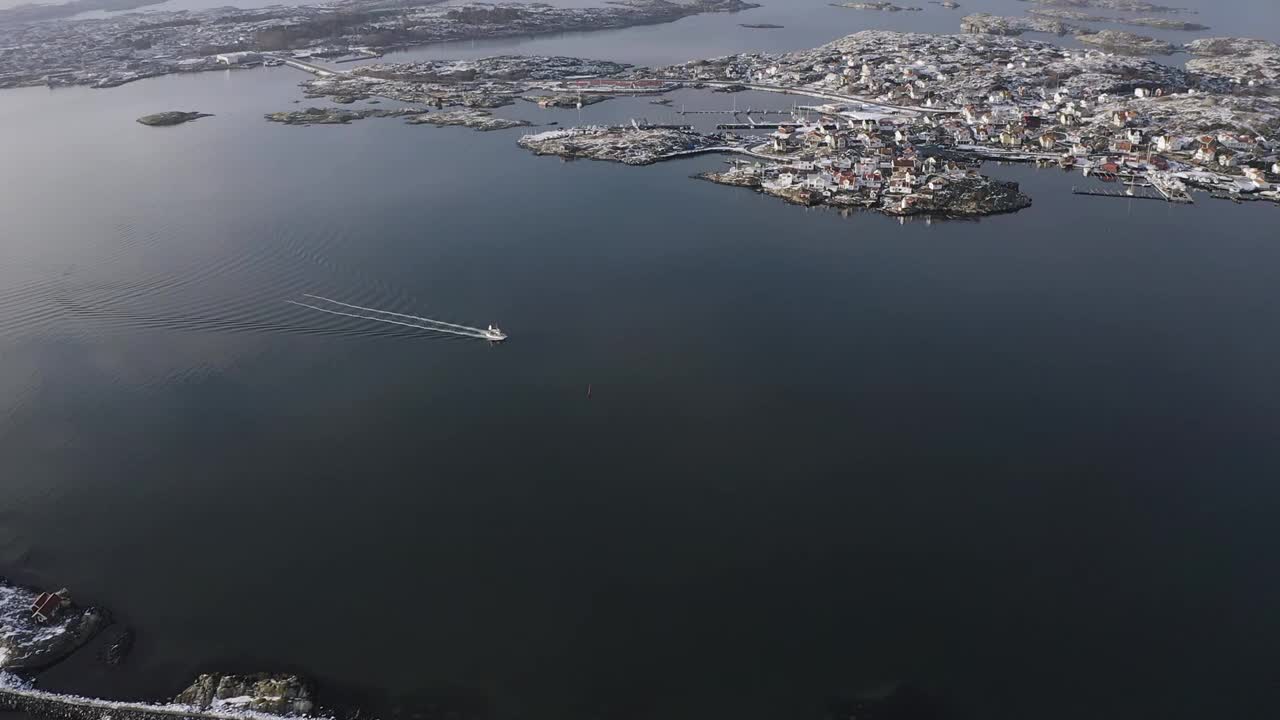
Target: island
point(474, 119)
point(1122, 5)
point(107, 52)
point(901, 123)
point(1157, 23)
point(761, 26)
point(880, 6)
point(1127, 43)
point(988, 24)
point(171, 117)
point(335, 116)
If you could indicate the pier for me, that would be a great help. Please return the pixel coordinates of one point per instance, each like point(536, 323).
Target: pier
point(1108, 192)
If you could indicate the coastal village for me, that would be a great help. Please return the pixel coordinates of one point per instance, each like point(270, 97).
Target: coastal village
point(909, 117)
point(895, 122)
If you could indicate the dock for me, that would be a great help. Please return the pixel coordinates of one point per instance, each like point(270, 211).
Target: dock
point(748, 126)
point(1130, 193)
point(748, 111)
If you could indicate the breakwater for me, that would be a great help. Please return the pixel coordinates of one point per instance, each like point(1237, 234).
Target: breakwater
point(17, 695)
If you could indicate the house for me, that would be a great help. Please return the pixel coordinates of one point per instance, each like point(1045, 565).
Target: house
point(1011, 139)
point(820, 181)
point(1226, 158)
point(1257, 176)
point(47, 605)
point(783, 139)
point(1121, 118)
point(1121, 146)
point(1048, 141)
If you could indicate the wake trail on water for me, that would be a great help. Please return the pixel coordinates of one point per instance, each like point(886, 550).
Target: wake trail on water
point(467, 332)
point(396, 314)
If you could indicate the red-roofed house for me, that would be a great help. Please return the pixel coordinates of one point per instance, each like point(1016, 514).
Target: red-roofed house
point(47, 606)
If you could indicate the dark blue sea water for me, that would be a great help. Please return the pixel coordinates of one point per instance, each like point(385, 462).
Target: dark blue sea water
point(1027, 463)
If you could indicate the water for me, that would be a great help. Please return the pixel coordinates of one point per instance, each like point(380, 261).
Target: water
point(1025, 462)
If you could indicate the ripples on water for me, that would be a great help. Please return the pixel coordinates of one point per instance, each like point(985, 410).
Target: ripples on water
point(140, 278)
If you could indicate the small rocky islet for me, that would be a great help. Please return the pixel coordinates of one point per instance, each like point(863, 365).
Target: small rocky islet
point(470, 118)
point(171, 117)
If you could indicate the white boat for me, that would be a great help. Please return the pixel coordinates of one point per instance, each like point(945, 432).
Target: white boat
point(493, 334)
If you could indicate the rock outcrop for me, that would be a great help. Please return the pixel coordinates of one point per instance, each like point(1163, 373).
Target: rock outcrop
point(972, 196)
point(1247, 61)
point(277, 694)
point(474, 119)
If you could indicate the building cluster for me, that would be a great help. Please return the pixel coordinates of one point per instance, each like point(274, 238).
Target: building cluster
point(872, 163)
point(1006, 98)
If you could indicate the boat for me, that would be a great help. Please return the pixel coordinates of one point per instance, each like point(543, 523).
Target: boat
point(493, 334)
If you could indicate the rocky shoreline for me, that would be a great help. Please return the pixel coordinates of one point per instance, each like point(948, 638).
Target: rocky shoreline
point(969, 197)
point(39, 629)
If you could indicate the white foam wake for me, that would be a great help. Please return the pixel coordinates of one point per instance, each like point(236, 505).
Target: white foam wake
point(396, 314)
point(468, 332)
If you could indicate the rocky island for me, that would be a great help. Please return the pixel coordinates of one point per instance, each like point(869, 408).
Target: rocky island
point(963, 195)
point(1077, 16)
point(335, 116)
point(1127, 43)
point(171, 117)
point(988, 24)
point(1122, 5)
point(627, 145)
point(879, 6)
point(474, 119)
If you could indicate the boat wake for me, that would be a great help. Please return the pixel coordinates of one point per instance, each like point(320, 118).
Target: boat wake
point(394, 318)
